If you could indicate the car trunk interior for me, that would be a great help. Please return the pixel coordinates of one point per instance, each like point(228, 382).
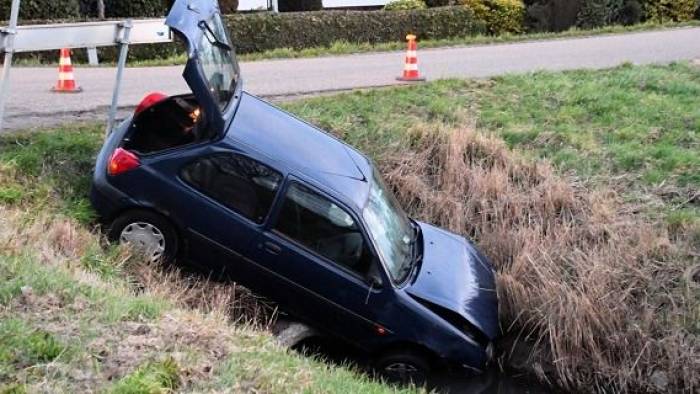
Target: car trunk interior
point(172, 122)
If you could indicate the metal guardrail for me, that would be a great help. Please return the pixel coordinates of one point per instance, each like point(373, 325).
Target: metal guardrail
point(84, 35)
point(14, 39)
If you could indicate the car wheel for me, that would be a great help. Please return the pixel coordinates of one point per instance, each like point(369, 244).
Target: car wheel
point(403, 367)
point(148, 232)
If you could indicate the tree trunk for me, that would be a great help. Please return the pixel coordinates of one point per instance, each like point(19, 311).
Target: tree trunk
point(101, 9)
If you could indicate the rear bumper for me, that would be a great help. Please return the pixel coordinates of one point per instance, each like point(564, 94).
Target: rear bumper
point(107, 203)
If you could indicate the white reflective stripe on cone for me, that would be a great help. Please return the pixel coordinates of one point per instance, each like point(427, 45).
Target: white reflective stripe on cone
point(411, 67)
point(65, 76)
point(411, 53)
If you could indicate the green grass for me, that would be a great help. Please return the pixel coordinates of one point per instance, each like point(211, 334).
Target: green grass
point(638, 123)
point(636, 128)
point(21, 344)
point(153, 377)
point(56, 164)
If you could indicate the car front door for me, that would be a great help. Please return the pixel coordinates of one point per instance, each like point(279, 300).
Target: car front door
point(328, 272)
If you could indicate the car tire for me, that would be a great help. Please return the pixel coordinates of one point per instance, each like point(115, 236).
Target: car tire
point(149, 230)
point(404, 367)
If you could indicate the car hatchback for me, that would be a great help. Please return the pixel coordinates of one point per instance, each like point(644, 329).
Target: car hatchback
point(225, 180)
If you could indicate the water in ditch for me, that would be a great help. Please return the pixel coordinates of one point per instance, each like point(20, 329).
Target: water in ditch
point(493, 381)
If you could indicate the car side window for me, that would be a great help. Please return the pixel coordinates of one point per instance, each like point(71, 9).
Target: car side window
point(322, 226)
point(238, 182)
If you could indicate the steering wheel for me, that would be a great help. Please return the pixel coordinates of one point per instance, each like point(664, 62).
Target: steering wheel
point(344, 248)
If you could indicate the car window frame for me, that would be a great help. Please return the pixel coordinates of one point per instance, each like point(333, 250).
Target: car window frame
point(275, 199)
point(272, 222)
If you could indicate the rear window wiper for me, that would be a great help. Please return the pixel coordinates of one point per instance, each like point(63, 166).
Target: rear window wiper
point(212, 38)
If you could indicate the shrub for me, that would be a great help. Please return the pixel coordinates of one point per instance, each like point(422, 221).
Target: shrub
point(558, 15)
point(403, 5)
point(669, 10)
point(552, 15)
point(500, 16)
point(42, 9)
point(263, 31)
point(300, 5)
point(597, 13)
point(631, 13)
point(538, 17)
point(228, 6)
point(440, 3)
point(135, 8)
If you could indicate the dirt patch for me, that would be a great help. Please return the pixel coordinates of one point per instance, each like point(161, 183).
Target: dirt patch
point(593, 285)
point(110, 351)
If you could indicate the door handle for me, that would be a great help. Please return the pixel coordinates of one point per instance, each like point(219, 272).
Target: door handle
point(272, 247)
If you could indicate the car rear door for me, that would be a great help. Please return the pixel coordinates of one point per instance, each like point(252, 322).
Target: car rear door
point(219, 198)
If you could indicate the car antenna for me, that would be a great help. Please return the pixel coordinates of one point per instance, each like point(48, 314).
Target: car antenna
point(369, 292)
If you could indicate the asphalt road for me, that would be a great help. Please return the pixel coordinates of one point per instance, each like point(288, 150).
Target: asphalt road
point(31, 104)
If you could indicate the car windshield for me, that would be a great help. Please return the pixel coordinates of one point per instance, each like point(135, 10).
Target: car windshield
point(390, 229)
point(218, 60)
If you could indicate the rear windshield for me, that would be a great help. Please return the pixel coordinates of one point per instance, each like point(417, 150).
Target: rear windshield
point(218, 62)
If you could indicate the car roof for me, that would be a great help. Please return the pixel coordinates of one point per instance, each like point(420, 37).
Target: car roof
point(302, 147)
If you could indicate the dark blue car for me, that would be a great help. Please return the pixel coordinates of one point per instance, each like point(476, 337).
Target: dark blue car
point(223, 179)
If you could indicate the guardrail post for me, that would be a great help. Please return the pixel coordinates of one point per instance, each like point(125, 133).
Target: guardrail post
point(123, 52)
point(93, 60)
point(8, 35)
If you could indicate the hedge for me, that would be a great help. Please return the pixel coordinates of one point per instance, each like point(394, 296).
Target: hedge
point(258, 32)
point(263, 31)
point(41, 9)
point(403, 5)
point(136, 8)
point(501, 16)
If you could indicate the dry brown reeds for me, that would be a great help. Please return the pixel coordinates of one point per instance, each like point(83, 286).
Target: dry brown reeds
point(60, 241)
point(596, 289)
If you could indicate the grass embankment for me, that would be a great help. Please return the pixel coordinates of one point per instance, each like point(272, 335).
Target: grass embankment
point(584, 189)
point(581, 186)
point(79, 316)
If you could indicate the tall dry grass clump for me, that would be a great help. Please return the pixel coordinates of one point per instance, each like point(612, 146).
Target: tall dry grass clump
point(596, 288)
point(62, 242)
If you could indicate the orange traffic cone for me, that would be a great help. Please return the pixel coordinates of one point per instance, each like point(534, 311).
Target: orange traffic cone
point(410, 69)
point(66, 79)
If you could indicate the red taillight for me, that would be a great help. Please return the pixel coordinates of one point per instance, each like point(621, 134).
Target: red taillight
point(122, 161)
